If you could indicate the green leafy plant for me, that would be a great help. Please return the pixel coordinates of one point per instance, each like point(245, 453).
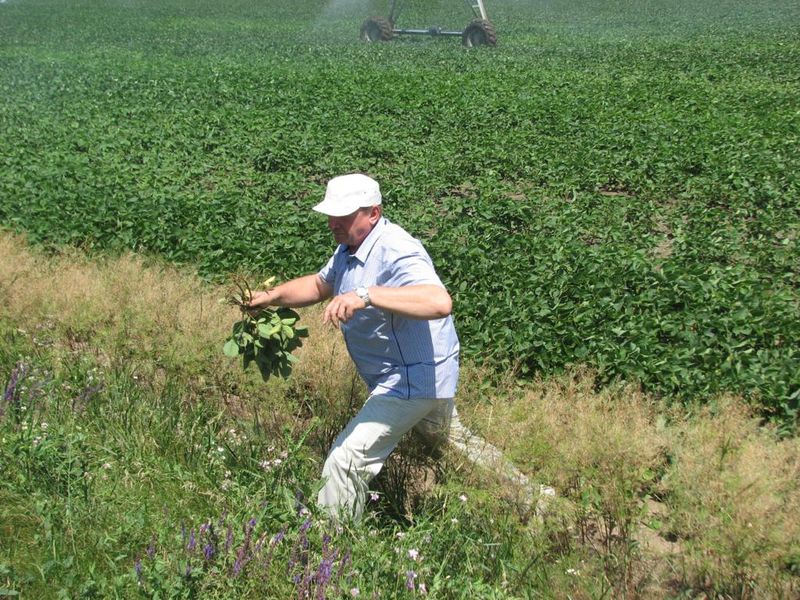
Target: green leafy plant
point(266, 337)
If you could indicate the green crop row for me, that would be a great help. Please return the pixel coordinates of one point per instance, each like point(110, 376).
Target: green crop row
point(614, 184)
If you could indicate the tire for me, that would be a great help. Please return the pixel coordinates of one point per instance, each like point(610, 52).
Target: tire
point(376, 29)
point(479, 33)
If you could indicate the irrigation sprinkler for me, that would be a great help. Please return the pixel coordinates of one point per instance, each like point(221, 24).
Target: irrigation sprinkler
point(479, 31)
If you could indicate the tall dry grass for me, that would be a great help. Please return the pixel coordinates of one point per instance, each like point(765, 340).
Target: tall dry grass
point(133, 313)
point(703, 499)
point(141, 314)
point(602, 450)
point(733, 489)
point(126, 306)
point(568, 433)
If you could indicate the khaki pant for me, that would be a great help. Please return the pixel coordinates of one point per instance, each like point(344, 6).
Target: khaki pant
point(362, 447)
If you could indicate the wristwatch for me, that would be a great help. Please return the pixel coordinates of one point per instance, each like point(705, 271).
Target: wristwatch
point(363, 293)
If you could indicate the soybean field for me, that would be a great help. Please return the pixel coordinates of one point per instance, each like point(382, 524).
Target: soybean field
point(615, 184)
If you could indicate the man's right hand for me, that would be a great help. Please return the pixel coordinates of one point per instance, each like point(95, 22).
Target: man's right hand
point(258, 301)
point(294, 293)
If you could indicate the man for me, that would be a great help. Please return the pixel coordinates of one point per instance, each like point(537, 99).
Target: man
point(394, 313)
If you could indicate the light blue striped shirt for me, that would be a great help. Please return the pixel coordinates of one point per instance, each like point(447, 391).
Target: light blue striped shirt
point(395, 355)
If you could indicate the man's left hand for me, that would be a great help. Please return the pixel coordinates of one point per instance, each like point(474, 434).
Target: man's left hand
point(342, 308)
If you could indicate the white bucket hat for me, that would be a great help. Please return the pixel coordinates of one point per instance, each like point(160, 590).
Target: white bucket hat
point(347, 193)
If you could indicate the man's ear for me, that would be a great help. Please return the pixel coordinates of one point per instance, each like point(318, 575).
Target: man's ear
point(375, 214)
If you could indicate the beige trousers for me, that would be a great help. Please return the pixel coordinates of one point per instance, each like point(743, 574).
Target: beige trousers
point(361, 449)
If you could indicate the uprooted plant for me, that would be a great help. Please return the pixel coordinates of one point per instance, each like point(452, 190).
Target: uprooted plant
point(265, 336)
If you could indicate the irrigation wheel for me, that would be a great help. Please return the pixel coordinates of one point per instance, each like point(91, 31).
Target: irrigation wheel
point(376, 29)
point(479, 33)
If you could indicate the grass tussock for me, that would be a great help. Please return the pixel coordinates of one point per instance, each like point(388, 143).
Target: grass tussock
point(733, 493)
point(571, 435)
point(153, 317)
point(654, 501)
point(603, 451)
point(704, 500)
point(125, 306)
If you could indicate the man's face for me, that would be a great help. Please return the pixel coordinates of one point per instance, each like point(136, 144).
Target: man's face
point(352, 229)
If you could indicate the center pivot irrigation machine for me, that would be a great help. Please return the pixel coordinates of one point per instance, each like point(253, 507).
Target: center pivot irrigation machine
point(479, 32)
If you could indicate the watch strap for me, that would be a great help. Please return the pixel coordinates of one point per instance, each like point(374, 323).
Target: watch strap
point(363, 293)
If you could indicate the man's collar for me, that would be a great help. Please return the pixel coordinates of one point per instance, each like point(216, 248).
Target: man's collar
point(366, 246)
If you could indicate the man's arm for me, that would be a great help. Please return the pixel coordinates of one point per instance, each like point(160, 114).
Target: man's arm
point(412, 301)
point(295, 293)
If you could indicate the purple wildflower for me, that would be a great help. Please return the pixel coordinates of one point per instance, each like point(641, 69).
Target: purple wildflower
point(343, 564)
point(410, 577)
point(306, 585)
point(11, 386)
point(151, 549)
point(242, 555)
point(229, 538)
point(208, 551)
point(325, 569)
point(278, 537)
point(137, 566)
point(192, 542)
point(324, 572)
point(11, 394)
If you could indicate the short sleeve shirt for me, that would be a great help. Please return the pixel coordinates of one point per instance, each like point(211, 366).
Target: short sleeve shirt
point(395, 355)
